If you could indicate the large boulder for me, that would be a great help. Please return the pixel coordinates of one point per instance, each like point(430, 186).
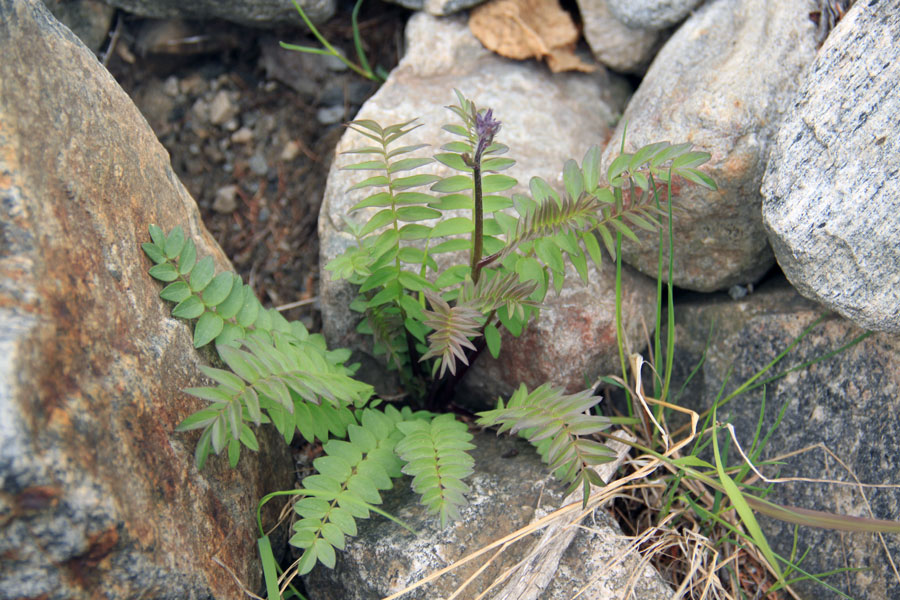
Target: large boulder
point(721, 82)
point(88, 19)
point(848, 403)
point(510, 489)
point(831, 190)
point(258, 13)
point(100, 497)
point(546, 119)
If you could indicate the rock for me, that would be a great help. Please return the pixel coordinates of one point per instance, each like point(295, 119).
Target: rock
point(226, 199)
point(172, 38)
point(652, 14)
point(244, 135)
point(298, 70)
point(257, 164)
point(576, 108)
point(510, 488)
point(290, 151)
point(88, 19)
point(438, 8)
point(222, 107)
point(721, 82)
point(614, 44)
point(100, 496)
point(193, 85)
point(256, 13)
point(329, 115)
point(171, 86)
point(831, 190)
point(848, 403)
point(573, 340)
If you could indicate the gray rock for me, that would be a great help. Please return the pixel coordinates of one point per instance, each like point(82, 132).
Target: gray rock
point(258, 13)
point(831, 190)
point(437, 8)
point(546, 119)
point(722, 83)
point(848, 403)
point(88, 19)
point(226, 199)
point(652, 14)
point(573, 340)
point(613, 43)
point(509, 489)
point(222, 107)
point(99, 495)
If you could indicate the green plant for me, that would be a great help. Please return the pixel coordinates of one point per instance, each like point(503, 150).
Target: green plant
point(363, 69)
point(516, 246)
point(280, 373)
point(431, 323)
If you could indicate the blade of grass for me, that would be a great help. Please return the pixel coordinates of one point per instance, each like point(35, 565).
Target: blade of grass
point(743, 509)
point(270, 568)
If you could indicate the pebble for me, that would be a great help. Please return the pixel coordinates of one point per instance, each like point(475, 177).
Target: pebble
point(739, 291)
point(265, 126)
point(290, 151)
point(330, 115)
point(242, 136)
point(200, 109)
point(222, 108)
point(226, 199)
point(170, 87)
point(257, 164)
point(193, 85)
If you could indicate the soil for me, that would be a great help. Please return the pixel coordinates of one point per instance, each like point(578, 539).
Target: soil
point(251, 129)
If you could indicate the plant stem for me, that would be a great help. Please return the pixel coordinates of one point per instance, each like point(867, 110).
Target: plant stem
point(478, 234)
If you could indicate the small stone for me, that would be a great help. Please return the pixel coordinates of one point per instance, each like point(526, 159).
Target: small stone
point(242, 136)
point(231, 124)
point(739, 291)
point(213, 153)
point(222, 108)
point(265, 126)
point(330, 115)
point(226, 199)
point(200, 109)
point(193, 85)
point(290, 151)
point(257, 164)
point(170, 87)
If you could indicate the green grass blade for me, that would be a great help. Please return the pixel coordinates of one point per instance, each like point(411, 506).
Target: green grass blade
point(269, 567)
point(743, 509)
point(357, 43)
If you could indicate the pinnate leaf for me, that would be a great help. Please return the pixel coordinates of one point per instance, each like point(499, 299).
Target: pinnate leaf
point(436, 458)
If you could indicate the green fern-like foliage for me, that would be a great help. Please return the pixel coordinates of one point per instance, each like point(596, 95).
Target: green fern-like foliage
point(517, 246)
point(436, 458)
point(561, 427)
point(279, 372)
point(347, 484)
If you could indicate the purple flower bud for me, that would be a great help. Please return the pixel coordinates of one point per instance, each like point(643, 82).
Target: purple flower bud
point(485, 126)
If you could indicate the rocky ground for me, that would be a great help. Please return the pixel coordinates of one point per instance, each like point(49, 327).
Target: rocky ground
point(251, 129)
